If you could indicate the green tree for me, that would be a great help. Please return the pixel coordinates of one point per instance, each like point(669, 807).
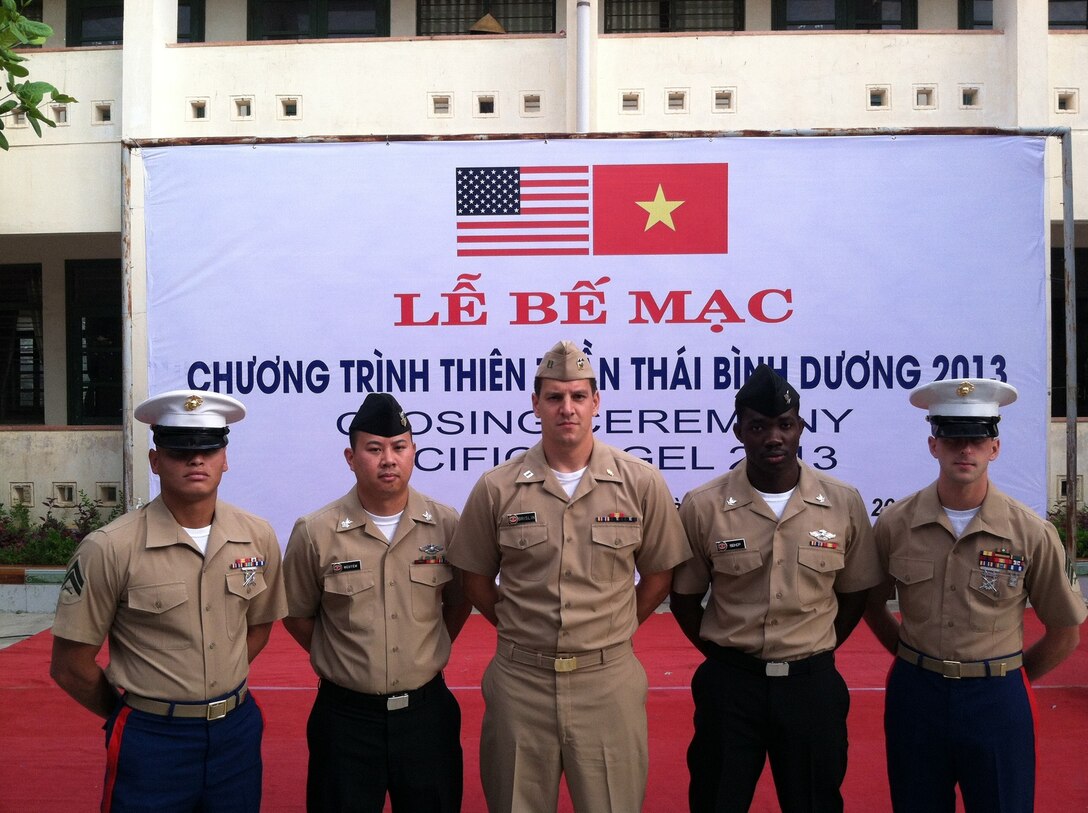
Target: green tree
point(23, 96)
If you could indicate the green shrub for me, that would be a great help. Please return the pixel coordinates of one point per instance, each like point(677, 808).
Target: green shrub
point(51, 541)
point(1057, 515)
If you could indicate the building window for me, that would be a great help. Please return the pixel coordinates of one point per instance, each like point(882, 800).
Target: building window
point(633, 16)
point(812, 15)
point(976, 14)
point(22, 389)
point(1057, 332)
point(95, 22)
point(190, 20)
point(1069, 14)
point(317, 19)
point(93, 296)
point(435, 17)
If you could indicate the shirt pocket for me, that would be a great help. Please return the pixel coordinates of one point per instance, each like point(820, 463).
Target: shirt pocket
point(160, 615)
point(735, 565)
point(427, 584)
point(817, 571)
point(915, 586)
point(350, 600)
point(525, 557)
point(238, 596)
point(995, 603)
point(613, 551)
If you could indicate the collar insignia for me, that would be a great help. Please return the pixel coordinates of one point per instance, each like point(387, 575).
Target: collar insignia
point(347, 523)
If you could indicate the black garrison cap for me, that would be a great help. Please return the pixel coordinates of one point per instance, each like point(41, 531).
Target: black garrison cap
point(380, 414)
point(767, 393)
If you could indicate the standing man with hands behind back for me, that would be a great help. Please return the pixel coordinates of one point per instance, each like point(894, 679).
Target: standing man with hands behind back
point(566, 526)
point(187, 588)
point(787, 554)
point(375, 603)
point(965, 560)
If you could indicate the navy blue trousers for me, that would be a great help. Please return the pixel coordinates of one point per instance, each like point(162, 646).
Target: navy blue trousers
point(176, 765)
point(978, 733)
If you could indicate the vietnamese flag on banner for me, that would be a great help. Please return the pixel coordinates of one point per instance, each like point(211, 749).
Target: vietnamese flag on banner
point(660, 209)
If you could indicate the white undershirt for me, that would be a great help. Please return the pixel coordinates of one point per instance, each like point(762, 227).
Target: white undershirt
point(387, 525)
point(200, 536)
point(777, 502)
point(569, 479)
point(960, 519)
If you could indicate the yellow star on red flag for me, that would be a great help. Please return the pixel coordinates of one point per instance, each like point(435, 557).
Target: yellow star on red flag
point(659, 209)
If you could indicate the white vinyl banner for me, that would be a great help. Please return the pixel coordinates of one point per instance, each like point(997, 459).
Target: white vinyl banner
point(298, 278)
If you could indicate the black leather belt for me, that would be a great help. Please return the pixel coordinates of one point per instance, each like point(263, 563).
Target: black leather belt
point(381, 702)
point(750, 663)
point(215, 710)
point(997, 667)
point(562, 661)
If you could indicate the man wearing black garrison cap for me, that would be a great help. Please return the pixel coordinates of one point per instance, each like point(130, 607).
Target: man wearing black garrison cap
point(187, 589)
point(787, 554)
point(373, 600)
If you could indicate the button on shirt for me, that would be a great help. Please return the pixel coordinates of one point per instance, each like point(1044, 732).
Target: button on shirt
point(773, 581)
point(952, 607)
point(377, 605)
point(177, 621)
point(568, 565)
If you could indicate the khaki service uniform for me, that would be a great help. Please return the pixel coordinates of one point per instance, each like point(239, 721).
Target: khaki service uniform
point(177, 621)
point(957, 694)
point(564, 693)
point(188, 730)
point(769, 685)
point(379, 646)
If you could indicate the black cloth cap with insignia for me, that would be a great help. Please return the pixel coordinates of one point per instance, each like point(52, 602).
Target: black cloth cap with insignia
point(767, 393)
point(380, 414)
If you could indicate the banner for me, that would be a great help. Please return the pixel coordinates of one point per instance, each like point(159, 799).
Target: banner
point(300, 277)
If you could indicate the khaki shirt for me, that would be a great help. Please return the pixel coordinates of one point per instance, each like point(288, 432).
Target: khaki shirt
point(953, 609)
point(773, 582)
point(377, 606)
point(567, 567)
point(177, 621)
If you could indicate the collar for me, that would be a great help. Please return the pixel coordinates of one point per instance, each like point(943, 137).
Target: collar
point(809, 491)
point(601, 468)
point(350, 513)
point(992, 517)
point(163, 530)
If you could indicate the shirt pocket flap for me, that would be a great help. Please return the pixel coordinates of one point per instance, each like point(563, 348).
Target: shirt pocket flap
point(822, 560)
point(430, 574)
point(736, 563)
point(521, 537)
point(616, 535)
point(236, 584)
point(348, 584)
point(158, 598)
point(910, 571)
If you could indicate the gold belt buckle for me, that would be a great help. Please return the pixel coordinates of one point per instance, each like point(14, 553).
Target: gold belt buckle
point(951, 669)
point(217, 710)
point(566, 664)
point(396, 702)
point(777, 669)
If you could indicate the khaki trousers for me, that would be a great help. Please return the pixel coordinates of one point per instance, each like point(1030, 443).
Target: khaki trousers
point(589, 724)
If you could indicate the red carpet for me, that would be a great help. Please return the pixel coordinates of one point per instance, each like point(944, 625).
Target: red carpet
point(52, 750)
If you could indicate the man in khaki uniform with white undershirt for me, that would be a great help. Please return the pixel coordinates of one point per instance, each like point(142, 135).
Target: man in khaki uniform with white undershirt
point(566, 526)
point(787, 554)
point(373, 600)
point(187, 589)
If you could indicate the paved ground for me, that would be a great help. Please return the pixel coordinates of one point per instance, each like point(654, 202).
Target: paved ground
point(16, 627)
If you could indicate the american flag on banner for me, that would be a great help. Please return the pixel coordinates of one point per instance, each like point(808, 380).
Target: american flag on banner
point(522, 211)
